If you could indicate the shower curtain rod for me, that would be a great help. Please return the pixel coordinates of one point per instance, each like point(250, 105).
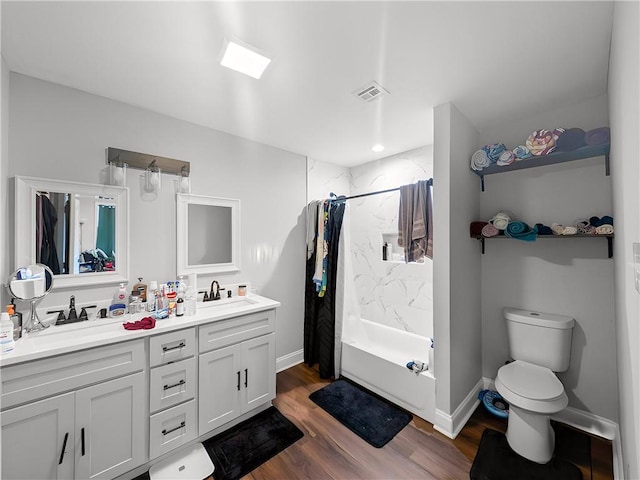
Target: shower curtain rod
point(376, 193)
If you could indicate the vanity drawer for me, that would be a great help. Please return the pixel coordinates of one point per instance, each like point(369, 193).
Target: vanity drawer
point(30, 381)
point(234, 330)
point(172, 346)
point(172, 384)
point(171, 428)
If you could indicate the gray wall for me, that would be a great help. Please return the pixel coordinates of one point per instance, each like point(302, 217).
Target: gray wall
point(624, 103)
point(456, 262)
point(59, 132)
point(567, 277)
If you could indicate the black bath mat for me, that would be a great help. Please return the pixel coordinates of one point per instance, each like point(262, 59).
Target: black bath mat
point(372, 418)
point(249, 444)
point(496, 461)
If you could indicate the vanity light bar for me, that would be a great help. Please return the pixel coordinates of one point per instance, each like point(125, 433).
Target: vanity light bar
point(142, 161)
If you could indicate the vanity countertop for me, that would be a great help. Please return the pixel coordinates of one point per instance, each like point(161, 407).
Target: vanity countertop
point(57, 340)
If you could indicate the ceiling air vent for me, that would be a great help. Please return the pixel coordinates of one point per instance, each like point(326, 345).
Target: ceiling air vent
point(370, 91)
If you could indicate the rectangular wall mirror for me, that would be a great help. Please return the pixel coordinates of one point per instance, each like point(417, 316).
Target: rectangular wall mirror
point(208, 240)
point(78, 230)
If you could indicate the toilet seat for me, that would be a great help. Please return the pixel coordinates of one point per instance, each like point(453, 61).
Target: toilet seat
point(531, 387)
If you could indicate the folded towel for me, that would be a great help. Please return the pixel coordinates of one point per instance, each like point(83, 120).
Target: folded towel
point(597, 136)
point(541, 142)
point(147, 323)
point(494, 150)
point(521, 152)
point(568, 230)
point(604, 229)
point(543, 229)
point(557, 133)
point(571, 139)
point(489, 230)
point(521, 231)
point(506, 158)
point(557, 229)
point(475, 228)
point(480, 160)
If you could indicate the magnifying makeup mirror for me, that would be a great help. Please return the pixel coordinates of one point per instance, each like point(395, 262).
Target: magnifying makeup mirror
point(31, 284)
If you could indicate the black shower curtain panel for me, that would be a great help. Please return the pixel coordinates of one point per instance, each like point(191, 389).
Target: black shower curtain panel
point(320, 308)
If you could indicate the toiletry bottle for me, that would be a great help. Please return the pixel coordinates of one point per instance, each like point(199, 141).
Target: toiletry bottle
point(180, 307)
point(7, 344)
point(152, 296)
point(120, 296)
point(140, 290)
point(16, 318)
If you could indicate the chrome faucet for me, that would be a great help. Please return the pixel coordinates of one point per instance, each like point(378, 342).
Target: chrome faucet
point(214, 295)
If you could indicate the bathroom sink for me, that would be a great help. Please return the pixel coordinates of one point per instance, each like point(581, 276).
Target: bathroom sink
point(228, 303)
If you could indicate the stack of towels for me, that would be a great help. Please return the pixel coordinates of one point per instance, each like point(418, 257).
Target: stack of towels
point(502, 224)
point(540, 142)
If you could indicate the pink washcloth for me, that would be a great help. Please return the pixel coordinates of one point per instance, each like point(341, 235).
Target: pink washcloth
point(147, 323)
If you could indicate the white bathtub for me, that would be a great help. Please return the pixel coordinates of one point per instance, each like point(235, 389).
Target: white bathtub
point(375, 356)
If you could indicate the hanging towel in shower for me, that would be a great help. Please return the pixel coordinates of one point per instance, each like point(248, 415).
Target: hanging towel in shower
point(321, 248)
point(415, 224)
point(312, 226)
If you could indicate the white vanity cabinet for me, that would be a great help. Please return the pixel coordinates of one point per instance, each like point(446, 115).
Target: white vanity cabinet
point(95, 429)
point(236, 368)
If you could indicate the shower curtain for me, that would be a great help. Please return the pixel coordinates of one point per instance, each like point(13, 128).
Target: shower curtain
point(320, 299)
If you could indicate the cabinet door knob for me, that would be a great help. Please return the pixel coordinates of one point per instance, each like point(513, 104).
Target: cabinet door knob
point(64, 446)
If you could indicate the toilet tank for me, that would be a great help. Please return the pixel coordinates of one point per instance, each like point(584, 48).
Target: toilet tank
point(540, 338)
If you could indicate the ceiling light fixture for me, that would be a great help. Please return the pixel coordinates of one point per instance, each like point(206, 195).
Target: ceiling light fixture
point(244, 58)
point(377, 148)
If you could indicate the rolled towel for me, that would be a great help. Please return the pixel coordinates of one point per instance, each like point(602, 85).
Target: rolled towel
point(480, 160)
point(585, 228)
point(569, 230)
point(606, 219)
point(489, 230)
point(557, 133)
point(506, 158)
point(543, 229)
point(597, 136)
point(500, 220)
point(541, 142)
point(604, 229)
point(595, 221)
point(475, 228)
point(521, 152)
point(494, 150)
point(571, 139)
point(557, 229)
point(521, 231)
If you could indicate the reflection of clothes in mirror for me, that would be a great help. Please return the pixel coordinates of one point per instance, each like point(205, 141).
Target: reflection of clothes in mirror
point(46, 219)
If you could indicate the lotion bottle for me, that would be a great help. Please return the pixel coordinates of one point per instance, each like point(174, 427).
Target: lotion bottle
point(7, 344)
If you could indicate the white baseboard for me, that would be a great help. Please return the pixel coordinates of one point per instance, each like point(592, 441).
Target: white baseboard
point(289, 360)
point(599, 426)
point(451, 425)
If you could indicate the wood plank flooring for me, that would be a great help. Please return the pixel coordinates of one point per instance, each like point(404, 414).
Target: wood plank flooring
point(331, 451)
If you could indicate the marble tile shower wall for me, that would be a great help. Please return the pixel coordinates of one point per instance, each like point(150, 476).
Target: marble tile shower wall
point(389, 292)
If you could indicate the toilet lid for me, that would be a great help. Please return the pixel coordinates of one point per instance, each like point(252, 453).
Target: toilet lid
point(530, 381)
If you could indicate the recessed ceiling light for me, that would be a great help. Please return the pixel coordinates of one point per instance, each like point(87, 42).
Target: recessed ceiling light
point(244, 59)
point(377, 148)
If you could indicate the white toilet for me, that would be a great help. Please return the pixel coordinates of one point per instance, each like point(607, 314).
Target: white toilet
point(540, 344)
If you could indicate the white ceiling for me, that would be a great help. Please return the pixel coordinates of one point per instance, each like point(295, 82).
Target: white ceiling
point(493, 60)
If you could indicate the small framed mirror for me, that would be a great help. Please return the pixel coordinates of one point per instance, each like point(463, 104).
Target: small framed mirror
point(78, 230)
point(31, 283)
point(208, 238)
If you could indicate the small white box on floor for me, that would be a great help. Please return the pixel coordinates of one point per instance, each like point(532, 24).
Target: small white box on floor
point(192, 463)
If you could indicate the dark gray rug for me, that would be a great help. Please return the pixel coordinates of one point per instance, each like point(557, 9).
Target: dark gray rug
point(369, 416)
point(496, 461)
point(249, 444)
